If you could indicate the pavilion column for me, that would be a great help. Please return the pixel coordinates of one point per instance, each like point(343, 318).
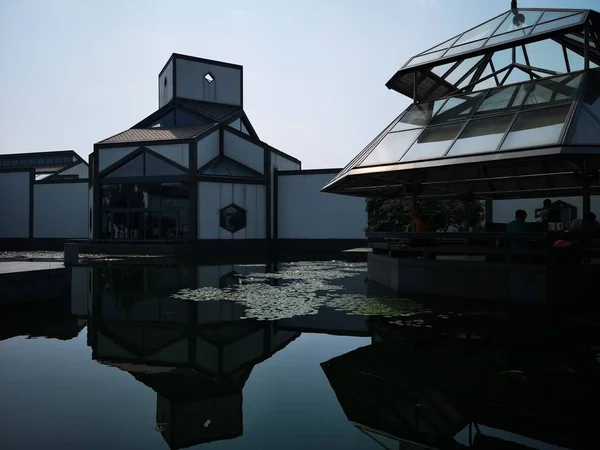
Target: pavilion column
point(414, 210)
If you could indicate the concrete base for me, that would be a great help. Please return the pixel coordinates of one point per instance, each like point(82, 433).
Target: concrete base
point(523, 283)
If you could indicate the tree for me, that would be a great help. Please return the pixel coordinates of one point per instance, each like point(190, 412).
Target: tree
point(395, 214)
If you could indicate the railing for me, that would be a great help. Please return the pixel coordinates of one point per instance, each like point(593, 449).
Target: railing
point(534, 247)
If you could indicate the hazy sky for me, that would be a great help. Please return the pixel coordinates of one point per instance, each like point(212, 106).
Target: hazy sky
point(75, 72)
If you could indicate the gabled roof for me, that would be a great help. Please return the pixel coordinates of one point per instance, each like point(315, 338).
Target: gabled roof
point(426, 76)
point(157, 134)
point(516, 141)
point(217, 111)
point(223, 166)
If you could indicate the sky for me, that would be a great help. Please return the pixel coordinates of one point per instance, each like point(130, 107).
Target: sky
point(75, 72)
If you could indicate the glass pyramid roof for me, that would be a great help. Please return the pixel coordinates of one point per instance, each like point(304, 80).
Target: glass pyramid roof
point(545, 117)
point(472, 55)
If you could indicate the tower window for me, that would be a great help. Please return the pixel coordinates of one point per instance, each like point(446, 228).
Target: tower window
point(209, 78)
point(165, 82)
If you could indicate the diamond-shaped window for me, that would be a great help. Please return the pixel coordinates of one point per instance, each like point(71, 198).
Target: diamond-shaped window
point(232, 218)
point(209, 77)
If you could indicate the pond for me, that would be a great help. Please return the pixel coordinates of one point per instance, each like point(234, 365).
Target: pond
point(288, 355)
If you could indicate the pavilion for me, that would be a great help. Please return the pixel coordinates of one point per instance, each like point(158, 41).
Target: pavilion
point(508, 109)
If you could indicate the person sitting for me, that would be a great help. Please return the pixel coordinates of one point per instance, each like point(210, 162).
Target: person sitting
point(518, 226)
point(587, 223)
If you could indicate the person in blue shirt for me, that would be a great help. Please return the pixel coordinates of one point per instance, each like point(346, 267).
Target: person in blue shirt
point(518, 226)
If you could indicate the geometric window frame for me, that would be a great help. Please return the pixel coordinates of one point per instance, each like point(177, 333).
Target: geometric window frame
point(233, 218)
point(144, 162)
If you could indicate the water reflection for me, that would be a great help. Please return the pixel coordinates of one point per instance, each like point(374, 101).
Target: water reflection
point(433, 375)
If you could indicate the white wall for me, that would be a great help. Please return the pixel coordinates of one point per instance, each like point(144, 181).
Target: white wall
point(212, 197)
point(109, 156)
point(208, 148)
point(504, 210)
point(306, 213)
point(178, 153)
point(226, 87)
point(60, 210)
point(14, 204)
point(165, 93)
point(280, 163)
point(245, 152)
point(80, 169)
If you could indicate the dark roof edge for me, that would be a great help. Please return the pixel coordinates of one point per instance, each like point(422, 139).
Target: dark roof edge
point(49, 152)
point(205, 61)
point(309, 172)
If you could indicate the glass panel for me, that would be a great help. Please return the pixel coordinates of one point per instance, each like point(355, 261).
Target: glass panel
point(520, 56)
point(482, 31)
point(418, 115)
point(169, 225)
point(576, 62)
point(486, 84)
point(553, 15)
point(118, 226)
point(553, 90)
point(391, 148)
point(517, 76)
point(152, 225)
point(578, 37)
point(175, 195)
point(587, 129)
point(481, 135)
point(224, 167)
point(457, 108)
point(425, 58)
point(133, 168)
point(167, 121)
point(508, 36)
point(157, 167)
point(518, 20)
point(558, 23)
point(433, 142)
point(592, 94)
point(547, 54)
point(440, 71)
point(536, 128)
point(503, 99)
point(502, 59)
point(465, 47)
point(40, 161)
point(462, 69)
point(442, 46)
point(185, 119)
point(136, 225)
point(114, 196)
point(184, 220)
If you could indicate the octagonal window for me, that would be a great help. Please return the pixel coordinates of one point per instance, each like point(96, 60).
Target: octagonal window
point(233, 218)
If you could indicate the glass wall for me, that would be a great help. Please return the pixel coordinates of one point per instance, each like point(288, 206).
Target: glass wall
point(145, 211)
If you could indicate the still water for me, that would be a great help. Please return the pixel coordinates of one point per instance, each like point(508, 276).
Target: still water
point(299, 355)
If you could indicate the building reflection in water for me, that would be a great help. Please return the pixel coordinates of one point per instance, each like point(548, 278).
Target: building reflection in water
point(427, 387)
point(196, 356)
point(450, 390)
